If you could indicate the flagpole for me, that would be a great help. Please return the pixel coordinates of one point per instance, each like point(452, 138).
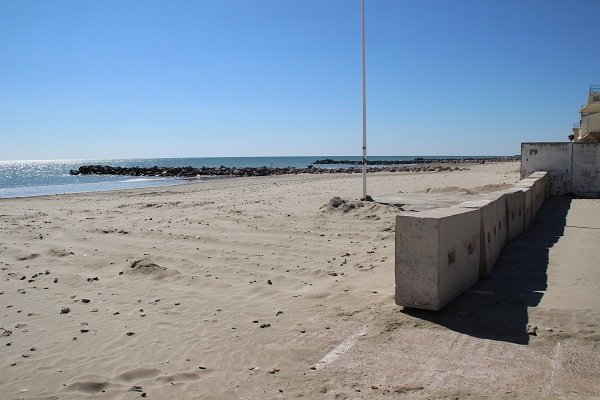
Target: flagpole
point(364, 103)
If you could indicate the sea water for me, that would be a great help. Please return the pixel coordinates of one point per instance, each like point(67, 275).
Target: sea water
point(47, 177)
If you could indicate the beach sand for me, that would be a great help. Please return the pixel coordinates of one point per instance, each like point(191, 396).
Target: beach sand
point(252, 288)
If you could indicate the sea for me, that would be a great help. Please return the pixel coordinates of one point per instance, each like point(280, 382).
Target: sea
point(49, 177)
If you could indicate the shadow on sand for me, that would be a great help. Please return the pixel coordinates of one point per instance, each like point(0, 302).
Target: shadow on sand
point(496, 308)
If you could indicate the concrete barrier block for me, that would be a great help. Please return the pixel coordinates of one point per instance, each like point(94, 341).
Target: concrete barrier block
point(437, 256)
point(515, 205)
point(492, 229)
point(499, 197)
point(528, 215)
point(538, 197)
point(545, 181)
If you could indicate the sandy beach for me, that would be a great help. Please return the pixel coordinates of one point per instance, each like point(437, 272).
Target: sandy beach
point(251, 288)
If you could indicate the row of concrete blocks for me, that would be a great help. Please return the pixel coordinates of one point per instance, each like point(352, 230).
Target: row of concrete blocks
point(442, 252)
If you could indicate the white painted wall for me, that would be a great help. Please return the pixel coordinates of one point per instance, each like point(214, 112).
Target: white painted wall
point(556, 158)
point(572, 167)
point(586, 169)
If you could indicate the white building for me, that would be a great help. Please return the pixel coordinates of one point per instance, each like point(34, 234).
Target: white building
point(589, 125)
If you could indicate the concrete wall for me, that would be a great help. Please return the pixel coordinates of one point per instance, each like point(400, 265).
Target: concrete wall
point(586, 169)
point(442, 252)
point(572, 167)
point(556, 158)
point(437, 256)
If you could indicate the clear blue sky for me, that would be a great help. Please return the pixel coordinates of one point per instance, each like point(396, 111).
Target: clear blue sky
point(104, 79)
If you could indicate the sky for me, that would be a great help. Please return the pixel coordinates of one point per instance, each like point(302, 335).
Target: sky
point(143, 78)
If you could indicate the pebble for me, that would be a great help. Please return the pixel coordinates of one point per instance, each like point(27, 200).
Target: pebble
point(278, 313)
point(84, 330)
point(265, 325)
point(135, 388)
point(85, 300)
point(55, 280)
point(65, 310)
point(532, 330)
point(130, 333)
point(269, 282)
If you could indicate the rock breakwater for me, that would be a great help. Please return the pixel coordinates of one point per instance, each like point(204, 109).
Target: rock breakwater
point(421, 160)
point(192, 172)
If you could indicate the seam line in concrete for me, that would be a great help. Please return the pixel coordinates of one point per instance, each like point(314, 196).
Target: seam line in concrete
point(581, 227)
point(339, 349)
point(553, 368)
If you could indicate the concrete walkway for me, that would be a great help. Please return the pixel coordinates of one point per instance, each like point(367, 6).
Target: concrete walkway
point(546, 282)
point(574, 261)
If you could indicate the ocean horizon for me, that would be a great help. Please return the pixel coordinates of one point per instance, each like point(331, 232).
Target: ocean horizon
point(27, 178)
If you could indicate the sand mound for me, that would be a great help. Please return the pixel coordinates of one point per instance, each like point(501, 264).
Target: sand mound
point(147, 267)
point(338, 204)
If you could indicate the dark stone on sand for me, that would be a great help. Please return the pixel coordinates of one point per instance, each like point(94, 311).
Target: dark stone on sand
point(265, 325)
point(135, 388)
point(65, 310)
point(130, 333)
point(532, 330)
point(85, 300)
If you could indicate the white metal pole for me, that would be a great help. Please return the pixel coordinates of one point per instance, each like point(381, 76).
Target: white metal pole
point(364, 103)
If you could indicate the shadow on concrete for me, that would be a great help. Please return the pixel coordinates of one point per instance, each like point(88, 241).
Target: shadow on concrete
point(496, 308)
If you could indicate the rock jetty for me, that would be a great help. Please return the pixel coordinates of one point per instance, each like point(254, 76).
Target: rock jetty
point(192, 172)
point(421, 160)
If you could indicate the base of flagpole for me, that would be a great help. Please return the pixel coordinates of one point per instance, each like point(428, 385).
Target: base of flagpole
point(367, 198)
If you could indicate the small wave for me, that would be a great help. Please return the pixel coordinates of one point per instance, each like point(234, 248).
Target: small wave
point(146, 179)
